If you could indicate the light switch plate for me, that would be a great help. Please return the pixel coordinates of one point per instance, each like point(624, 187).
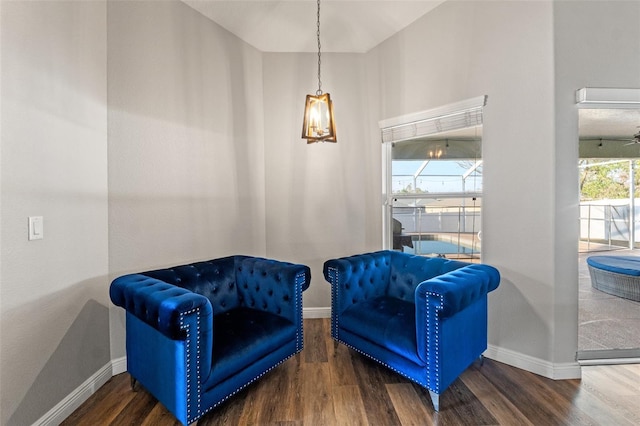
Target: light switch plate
point(36, 228)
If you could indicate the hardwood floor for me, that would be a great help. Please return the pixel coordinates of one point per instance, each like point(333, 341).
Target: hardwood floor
point(321, 386)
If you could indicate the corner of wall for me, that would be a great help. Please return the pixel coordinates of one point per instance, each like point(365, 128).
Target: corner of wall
point(555, 371)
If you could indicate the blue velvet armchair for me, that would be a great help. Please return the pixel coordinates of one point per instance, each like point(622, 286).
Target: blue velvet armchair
point(196, 334)
point(425, 318)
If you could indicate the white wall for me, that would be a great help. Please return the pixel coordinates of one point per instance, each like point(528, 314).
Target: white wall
point(169, 170)
point(54, 315)
point(197, 120)
point(530, 69)
point(318, 195)
point(504, 50)
point(597, 44)
point(186, 150)
point(323, 199)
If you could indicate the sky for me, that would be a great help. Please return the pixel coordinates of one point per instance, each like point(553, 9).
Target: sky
point(437, 176)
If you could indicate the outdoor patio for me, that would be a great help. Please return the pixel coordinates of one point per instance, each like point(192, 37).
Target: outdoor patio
point(606, 322)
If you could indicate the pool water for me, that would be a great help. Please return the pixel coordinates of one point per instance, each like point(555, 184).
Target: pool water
point(439, 247)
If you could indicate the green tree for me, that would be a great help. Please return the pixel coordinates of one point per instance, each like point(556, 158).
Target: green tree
point(606, 180)
point(409, 190)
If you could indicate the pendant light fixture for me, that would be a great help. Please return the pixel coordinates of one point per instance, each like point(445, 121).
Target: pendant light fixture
point(319, 124)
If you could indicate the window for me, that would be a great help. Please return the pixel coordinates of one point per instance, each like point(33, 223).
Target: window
point(433, 181)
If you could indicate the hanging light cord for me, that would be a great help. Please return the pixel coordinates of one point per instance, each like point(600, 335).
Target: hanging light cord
point(319, 91)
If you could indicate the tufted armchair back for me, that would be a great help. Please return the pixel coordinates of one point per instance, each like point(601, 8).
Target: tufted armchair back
point(214, 279)
point(236, 281)
point(407, 271)
point(198, 333)
point(259, 282)
point(423, 317)
point(362, 278)
point(384, 273)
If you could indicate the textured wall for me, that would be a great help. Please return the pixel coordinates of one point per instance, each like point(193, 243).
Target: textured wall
point(530, 69)
point(203, 159)
point(54, 307)
point(597, 44)
point(323, 199)
point(467, 49)
point(186, 151)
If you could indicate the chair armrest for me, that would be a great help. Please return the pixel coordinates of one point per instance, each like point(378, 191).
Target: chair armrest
point(452, 292)
point(357, 278)
point(160, 305)
point(451, 321)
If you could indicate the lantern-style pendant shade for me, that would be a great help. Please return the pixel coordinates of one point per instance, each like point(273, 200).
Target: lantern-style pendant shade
point(319, 124)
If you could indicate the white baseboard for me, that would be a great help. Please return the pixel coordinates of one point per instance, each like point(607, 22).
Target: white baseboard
point(75, 399)
point(119, 365)
point(569, 370)
point(316, 312)
point(68, 405)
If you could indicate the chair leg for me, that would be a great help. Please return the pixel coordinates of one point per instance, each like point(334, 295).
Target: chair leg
point(133, 384)
point(481, 360)
point(435, 398)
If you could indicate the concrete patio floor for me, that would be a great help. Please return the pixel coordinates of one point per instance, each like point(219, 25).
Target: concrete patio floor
point(605, 321)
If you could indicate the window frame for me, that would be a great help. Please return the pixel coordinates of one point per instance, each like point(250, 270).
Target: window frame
point(458, 115)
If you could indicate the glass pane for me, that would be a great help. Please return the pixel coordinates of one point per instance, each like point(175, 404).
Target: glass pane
point(437, 165)
point(436, 188)
point(433, 227)
point(606, 205)
point(436, 176)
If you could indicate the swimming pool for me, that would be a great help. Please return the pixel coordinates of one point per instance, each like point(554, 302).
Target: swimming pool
point(438, 247)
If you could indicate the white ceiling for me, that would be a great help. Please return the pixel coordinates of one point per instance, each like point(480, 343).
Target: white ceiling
point(609, 123)
point(357, 26)
point(290, 26)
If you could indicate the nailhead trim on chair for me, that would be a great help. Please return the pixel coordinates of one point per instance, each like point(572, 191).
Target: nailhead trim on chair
point(299, 346)
point(298, 294)
point(241, 387)
point(333, 274)
point(432, 313)
point(188, 343)
point(381, 362)
point(184, 324)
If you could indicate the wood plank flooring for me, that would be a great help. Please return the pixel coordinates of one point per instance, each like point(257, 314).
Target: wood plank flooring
point(327, 386)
